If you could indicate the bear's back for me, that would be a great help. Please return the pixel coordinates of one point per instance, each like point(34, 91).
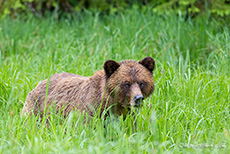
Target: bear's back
point(36, 98)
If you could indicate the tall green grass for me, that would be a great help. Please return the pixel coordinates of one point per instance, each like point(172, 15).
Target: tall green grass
point(188, 112)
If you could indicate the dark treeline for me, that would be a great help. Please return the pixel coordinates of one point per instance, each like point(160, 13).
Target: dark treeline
point(190, 8)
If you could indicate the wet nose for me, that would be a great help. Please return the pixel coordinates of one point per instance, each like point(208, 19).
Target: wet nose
point(139, 99)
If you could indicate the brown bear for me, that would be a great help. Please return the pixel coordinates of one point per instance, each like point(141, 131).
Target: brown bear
point(117, 87)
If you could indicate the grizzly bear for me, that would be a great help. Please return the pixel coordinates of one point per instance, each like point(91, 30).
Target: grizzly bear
point(116, 88)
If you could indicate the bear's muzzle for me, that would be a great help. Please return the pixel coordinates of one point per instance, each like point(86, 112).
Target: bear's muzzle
point(138, 99)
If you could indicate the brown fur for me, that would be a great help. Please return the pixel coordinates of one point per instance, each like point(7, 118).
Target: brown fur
point(115, 86)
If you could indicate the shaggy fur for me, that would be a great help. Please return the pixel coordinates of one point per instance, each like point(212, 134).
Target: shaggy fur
point(115, 87)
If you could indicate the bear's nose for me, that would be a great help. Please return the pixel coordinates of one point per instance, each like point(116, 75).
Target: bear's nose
point(139, 99)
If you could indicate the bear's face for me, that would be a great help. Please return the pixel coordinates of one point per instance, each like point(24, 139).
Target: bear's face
point(130, 82)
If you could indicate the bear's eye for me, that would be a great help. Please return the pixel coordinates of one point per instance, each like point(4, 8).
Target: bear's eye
point(127, 85)
point(142, 84)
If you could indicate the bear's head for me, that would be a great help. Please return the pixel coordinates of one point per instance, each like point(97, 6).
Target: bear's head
point(130, 82)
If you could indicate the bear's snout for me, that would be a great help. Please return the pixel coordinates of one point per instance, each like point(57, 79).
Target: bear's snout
point(139, 100)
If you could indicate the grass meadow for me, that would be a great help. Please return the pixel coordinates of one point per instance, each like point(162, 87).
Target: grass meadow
point(189, 111)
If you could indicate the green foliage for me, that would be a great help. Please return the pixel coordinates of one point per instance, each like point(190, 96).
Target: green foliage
point(186, 7)
point(10, 7)
point(218, 7)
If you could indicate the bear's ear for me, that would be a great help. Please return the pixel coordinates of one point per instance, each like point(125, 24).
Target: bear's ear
point(110, 67)
point(149, 63)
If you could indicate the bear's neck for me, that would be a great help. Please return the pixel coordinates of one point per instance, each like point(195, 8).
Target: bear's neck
point(104, 103)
